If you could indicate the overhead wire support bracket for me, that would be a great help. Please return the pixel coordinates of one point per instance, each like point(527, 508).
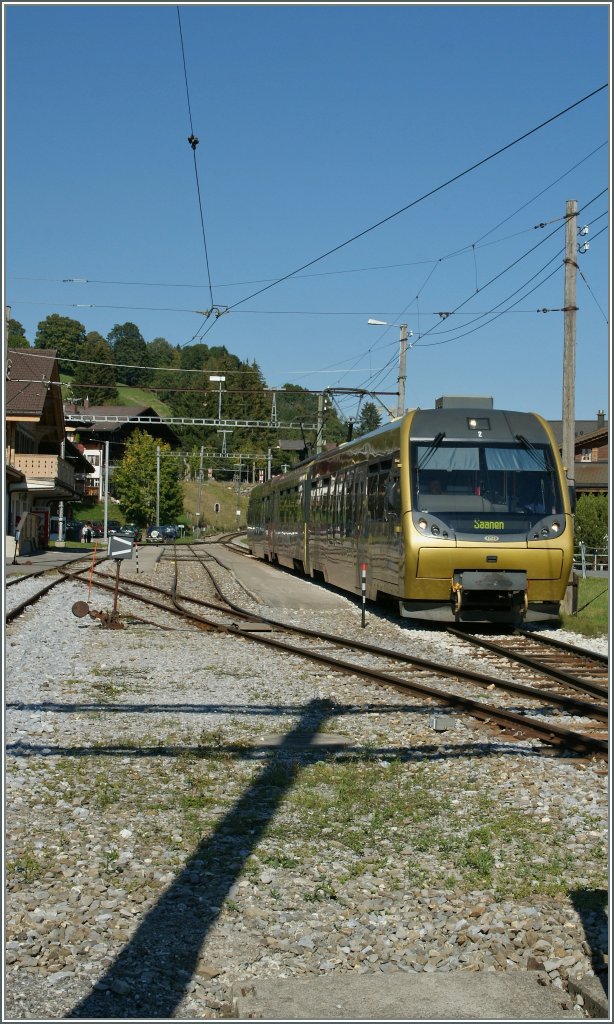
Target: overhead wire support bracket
point(217, 310)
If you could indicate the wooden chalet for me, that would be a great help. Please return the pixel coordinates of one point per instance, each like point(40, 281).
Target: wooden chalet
point(591, 462)
point(41, 465)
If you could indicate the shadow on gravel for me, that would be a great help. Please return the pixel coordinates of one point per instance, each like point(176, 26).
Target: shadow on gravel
point(591, 906)
point(440, 751)
point(150, 976)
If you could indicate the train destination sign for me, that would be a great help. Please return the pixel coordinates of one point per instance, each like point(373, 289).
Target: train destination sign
point(119, 547)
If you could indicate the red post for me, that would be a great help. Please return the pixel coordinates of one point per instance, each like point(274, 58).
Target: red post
point(363, 582)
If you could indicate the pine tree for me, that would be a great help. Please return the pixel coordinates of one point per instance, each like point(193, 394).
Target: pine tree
point(94, 378)
point(369, 419)
point(130, 353)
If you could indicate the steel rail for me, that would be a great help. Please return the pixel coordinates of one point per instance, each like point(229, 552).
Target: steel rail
point(564, 677)
point(554, 735)
point(549, 641)
point(18, 609)
point(583, 707)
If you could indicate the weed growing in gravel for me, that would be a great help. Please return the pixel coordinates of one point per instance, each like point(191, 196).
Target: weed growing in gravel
point(29, 866)
point(110, 855)
point(323, 891)
point(278, 860)
point(106, 691)
point(105, 792)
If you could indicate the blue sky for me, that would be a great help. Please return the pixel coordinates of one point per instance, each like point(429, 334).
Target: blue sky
point(316, 122)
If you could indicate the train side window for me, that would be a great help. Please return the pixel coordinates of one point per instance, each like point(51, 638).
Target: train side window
point(393, 494)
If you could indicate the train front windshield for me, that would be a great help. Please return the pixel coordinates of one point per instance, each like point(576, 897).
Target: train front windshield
point(473, 488)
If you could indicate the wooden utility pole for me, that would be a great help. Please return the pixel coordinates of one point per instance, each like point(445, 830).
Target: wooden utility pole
point(569, 342)
point(569, 367)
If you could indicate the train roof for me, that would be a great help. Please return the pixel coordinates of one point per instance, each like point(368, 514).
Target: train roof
point(458, 421)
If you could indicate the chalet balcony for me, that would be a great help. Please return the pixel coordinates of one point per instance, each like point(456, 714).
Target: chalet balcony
point(46, 473)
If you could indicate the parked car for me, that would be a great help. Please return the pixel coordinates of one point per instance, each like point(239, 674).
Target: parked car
point(130, 530)
point(158, 534)
point(72, 529)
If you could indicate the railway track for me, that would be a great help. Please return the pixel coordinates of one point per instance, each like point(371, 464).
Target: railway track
point(573, 667)
point(33, 593)
point(514, 709)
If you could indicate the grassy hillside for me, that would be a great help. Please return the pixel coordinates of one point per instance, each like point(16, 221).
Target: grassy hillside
point(131, 396)
point(140, 396)
point(223, 493)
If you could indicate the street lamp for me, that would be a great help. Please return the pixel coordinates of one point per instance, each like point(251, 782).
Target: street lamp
point(402, 355)
point(219, 406)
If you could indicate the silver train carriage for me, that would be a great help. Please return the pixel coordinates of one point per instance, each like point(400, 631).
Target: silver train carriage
point(461, 513)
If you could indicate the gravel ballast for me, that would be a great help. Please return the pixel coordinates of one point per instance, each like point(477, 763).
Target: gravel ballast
point(171, 830)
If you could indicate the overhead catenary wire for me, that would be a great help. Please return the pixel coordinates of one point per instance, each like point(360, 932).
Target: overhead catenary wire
point(426, 195)
point(505, 270)
point(582, 275)
point(193, 141)
point(330, 273)
point(370, 381)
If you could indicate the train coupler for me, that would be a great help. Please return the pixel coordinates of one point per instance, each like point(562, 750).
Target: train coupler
point(500, 590)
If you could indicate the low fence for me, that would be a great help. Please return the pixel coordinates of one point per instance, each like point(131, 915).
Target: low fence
point(587, 559)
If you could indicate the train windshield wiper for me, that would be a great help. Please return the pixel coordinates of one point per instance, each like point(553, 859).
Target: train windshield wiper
point(431, 449)
point(537, 455)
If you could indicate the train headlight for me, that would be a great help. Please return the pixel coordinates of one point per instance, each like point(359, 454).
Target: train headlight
point(435, 530)
point(555, 527)
point(545, 532)
point(422, 523)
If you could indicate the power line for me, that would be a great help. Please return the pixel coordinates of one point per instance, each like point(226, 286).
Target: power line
point(510, 267)
point(421, 198)
point(194, 143)
point(326, 273)
point(538, 194)
point(588, 285)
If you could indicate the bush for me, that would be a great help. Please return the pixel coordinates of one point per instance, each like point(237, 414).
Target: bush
point(591, 522)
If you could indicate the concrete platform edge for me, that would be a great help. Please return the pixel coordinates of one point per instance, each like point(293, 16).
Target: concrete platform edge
point(596, 1002)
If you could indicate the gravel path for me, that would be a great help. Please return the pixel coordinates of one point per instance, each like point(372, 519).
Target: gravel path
point(169, 833)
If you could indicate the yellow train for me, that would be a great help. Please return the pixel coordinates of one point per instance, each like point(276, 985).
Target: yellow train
point(462, 513)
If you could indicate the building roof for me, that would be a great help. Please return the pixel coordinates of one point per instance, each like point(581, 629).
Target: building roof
point(597, 439)
point(90, 428)
point(81, 463)
point(591, 475)
point(29, 376)
point(581, 428)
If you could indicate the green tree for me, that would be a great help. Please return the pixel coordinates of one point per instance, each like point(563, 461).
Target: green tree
point(95, 375)
point(591, 521)
point(160, 353)
point(370, 419)
point(135, 481)
point(130, 351)
point(17, 335)
point(195, 357)
point(64, 335)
